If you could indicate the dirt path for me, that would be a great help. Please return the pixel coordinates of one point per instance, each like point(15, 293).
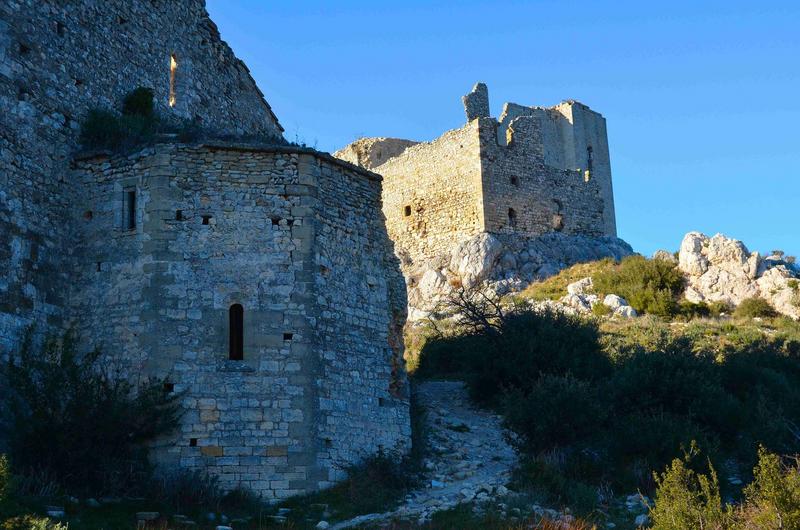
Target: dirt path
point(469, 458)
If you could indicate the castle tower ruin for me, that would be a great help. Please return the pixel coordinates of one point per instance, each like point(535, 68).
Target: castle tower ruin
point(533, 171)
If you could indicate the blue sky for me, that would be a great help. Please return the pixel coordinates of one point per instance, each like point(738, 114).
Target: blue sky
point(702, 99)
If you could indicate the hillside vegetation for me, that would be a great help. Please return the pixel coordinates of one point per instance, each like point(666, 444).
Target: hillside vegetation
point(603, 405)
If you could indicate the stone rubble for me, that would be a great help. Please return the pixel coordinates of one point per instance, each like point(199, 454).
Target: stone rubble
point(582, 300)
point(470, 458)
point(501, 264)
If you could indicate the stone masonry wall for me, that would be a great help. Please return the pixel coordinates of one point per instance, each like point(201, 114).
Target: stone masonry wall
point(361, 299)
point(60, 59)
point(524, 195)
point(533, 171)
point(432, 193)
point(219, 225)
point(567, 131)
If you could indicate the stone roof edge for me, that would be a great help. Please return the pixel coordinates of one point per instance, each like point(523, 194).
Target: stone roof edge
point(238, 146)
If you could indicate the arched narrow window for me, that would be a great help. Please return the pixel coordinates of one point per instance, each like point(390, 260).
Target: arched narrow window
point(173, 70)
point(236, 332)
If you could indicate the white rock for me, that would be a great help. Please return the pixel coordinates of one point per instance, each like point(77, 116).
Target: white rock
point(322, 525)
point(614, 302)
point(665, 255)
point(432, 284)
point(580, 287)
point(641, 520)
point(720, 269)
point(625, 311)
point(474, 259)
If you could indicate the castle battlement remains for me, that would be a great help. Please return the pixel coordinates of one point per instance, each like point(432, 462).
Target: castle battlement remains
point(532, 171)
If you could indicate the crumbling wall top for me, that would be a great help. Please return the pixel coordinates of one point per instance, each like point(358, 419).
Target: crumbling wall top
point(476, 103)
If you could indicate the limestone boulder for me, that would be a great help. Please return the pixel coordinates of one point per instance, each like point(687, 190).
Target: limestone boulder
point(474, 259)
point(614, 302)
point(691, 259)
point(721, 269)
point(582, 286)
point(625, 311)
point(433, 284)
point(665, 255)
point(502, 264)
point(582, 303)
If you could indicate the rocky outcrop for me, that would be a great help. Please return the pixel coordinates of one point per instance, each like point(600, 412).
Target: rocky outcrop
point(581, 298)
point(721, 269)
point(502, 264)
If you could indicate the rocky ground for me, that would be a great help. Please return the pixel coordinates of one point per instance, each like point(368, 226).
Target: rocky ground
point(469, 458)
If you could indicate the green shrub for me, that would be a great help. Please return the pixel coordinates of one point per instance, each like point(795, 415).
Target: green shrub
point(450, 356)
point(138, 124)
point(650, 286)
point(676, 382)
point(186, 491)
point(84, 427)
point(538, 416)
point(754, 308)
point(773, 498)
point(688, 499)
point(101, 129)
point(514, 353)
point(529, 344)
point(692, 310)
point(555, 287)
point(5, 478)
point(139, 102)
point(601, 310)
point(31, 522)
point(547, 479)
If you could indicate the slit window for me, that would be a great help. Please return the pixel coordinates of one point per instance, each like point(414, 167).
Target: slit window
point(587, 175)
point(236, 332)
point(206, 219)
point(179, 215)
point(129, 209)
point(173, 70)
point(512, 217)
point(515, 181)
point(407, 211)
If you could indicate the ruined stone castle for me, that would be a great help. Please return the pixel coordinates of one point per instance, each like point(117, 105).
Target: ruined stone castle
point(257, 277)
point(531, 172)
point(261, 279)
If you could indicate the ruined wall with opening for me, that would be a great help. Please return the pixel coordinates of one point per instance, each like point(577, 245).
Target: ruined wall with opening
point(57, 61)
point(524, 195)
point(533, 171)
point(431, 192)
point(297, 239)
point(572, 137)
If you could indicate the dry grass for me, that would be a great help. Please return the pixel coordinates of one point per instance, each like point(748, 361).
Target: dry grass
point(555, 287)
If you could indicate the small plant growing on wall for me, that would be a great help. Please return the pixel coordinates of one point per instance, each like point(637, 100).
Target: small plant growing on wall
point(138, 123)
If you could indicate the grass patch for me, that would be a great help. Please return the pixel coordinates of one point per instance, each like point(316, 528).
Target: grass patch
point(755, 308)
point(555, 287)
